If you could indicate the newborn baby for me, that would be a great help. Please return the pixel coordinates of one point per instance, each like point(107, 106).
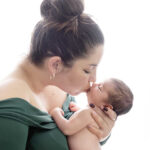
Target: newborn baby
point(112, 93)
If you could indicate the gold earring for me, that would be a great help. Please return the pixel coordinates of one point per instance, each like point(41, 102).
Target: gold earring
point(52, 76)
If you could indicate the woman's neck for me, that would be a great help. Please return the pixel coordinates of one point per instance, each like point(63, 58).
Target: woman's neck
point(36, 77)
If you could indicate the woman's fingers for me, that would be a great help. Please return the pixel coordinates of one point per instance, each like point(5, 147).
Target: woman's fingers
point(99, 120)
point(96, 131)
point(100, 116)
point(104, 118)
point(104, 126)
point(108, 111)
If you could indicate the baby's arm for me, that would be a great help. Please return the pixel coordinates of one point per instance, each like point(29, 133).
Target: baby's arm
point(77, 121)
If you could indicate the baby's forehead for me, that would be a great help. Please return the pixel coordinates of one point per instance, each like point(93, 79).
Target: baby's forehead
point(105, 81)
point(109, 86)
point(108, 83)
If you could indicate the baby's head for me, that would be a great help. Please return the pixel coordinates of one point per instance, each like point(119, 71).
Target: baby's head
point(112, 92)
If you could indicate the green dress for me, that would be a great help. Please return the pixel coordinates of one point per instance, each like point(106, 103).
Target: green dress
point(24, 127)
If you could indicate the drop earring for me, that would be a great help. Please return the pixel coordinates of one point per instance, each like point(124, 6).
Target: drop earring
point(52, 76)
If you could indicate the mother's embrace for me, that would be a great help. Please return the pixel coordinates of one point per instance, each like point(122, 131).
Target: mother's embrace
point(66, 47)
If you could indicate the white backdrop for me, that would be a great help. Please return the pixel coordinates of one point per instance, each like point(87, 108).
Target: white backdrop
point(126, 27)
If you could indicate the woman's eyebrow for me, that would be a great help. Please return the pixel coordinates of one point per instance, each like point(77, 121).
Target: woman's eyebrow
point(93, 65)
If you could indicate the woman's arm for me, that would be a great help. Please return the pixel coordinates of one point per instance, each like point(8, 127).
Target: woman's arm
point(13, 135)
point(78, 121)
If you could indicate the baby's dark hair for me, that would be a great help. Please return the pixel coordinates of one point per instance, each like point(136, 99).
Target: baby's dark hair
point(121, 97)
point(64, 31)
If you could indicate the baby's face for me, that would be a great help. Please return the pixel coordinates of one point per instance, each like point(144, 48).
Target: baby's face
point(98, 93)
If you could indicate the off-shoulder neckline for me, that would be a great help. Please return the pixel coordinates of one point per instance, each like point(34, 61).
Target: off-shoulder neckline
point(21, 100)
point(25, 101)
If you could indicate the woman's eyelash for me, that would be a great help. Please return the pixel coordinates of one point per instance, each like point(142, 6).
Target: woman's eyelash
point(86, 71)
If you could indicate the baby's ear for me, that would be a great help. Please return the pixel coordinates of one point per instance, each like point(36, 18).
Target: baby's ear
point(109, 106)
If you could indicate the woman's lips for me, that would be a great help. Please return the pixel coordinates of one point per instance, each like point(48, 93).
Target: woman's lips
point(88, 90)
point(89, 87)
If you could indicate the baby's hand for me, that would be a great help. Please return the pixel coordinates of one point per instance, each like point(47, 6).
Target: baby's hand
point(57, 110)
point(73, 107)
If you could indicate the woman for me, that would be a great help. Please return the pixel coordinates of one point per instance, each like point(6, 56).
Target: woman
point(66, 48)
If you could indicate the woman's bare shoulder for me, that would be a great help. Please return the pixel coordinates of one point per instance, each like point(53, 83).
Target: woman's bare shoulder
point(53, 90)
point(11, 87)
point(54, 95)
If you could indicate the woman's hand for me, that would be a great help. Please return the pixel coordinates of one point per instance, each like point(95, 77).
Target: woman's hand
point(105, 118)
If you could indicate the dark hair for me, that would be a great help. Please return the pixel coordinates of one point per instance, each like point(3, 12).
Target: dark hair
point(64, 31)
point(121, 97)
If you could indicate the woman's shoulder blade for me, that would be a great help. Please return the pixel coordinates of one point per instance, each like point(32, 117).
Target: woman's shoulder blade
point(11, 88)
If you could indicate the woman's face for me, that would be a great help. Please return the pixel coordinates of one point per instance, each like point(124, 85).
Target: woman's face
point(77, 79)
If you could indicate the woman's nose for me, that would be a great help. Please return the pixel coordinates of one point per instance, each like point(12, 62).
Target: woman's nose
point(92, 77)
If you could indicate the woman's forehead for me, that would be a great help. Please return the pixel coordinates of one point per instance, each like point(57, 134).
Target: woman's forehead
point(91, 60)
point(85, 62)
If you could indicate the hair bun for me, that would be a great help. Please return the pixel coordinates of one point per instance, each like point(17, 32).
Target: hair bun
point(61, 10)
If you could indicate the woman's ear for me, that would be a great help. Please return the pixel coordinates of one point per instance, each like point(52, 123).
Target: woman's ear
point(55, 64)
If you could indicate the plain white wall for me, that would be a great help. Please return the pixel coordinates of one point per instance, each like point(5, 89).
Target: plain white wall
point(126, 27)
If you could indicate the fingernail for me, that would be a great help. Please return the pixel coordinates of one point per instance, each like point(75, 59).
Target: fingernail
point(105, 109)
point(92, 105)
point(109, 106)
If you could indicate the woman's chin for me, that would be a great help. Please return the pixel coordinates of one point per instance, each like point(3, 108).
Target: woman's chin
point(74, 93)
point(79, 92)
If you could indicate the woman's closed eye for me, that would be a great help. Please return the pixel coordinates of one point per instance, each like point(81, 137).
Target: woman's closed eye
point(87, 71)
point(90, 69)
